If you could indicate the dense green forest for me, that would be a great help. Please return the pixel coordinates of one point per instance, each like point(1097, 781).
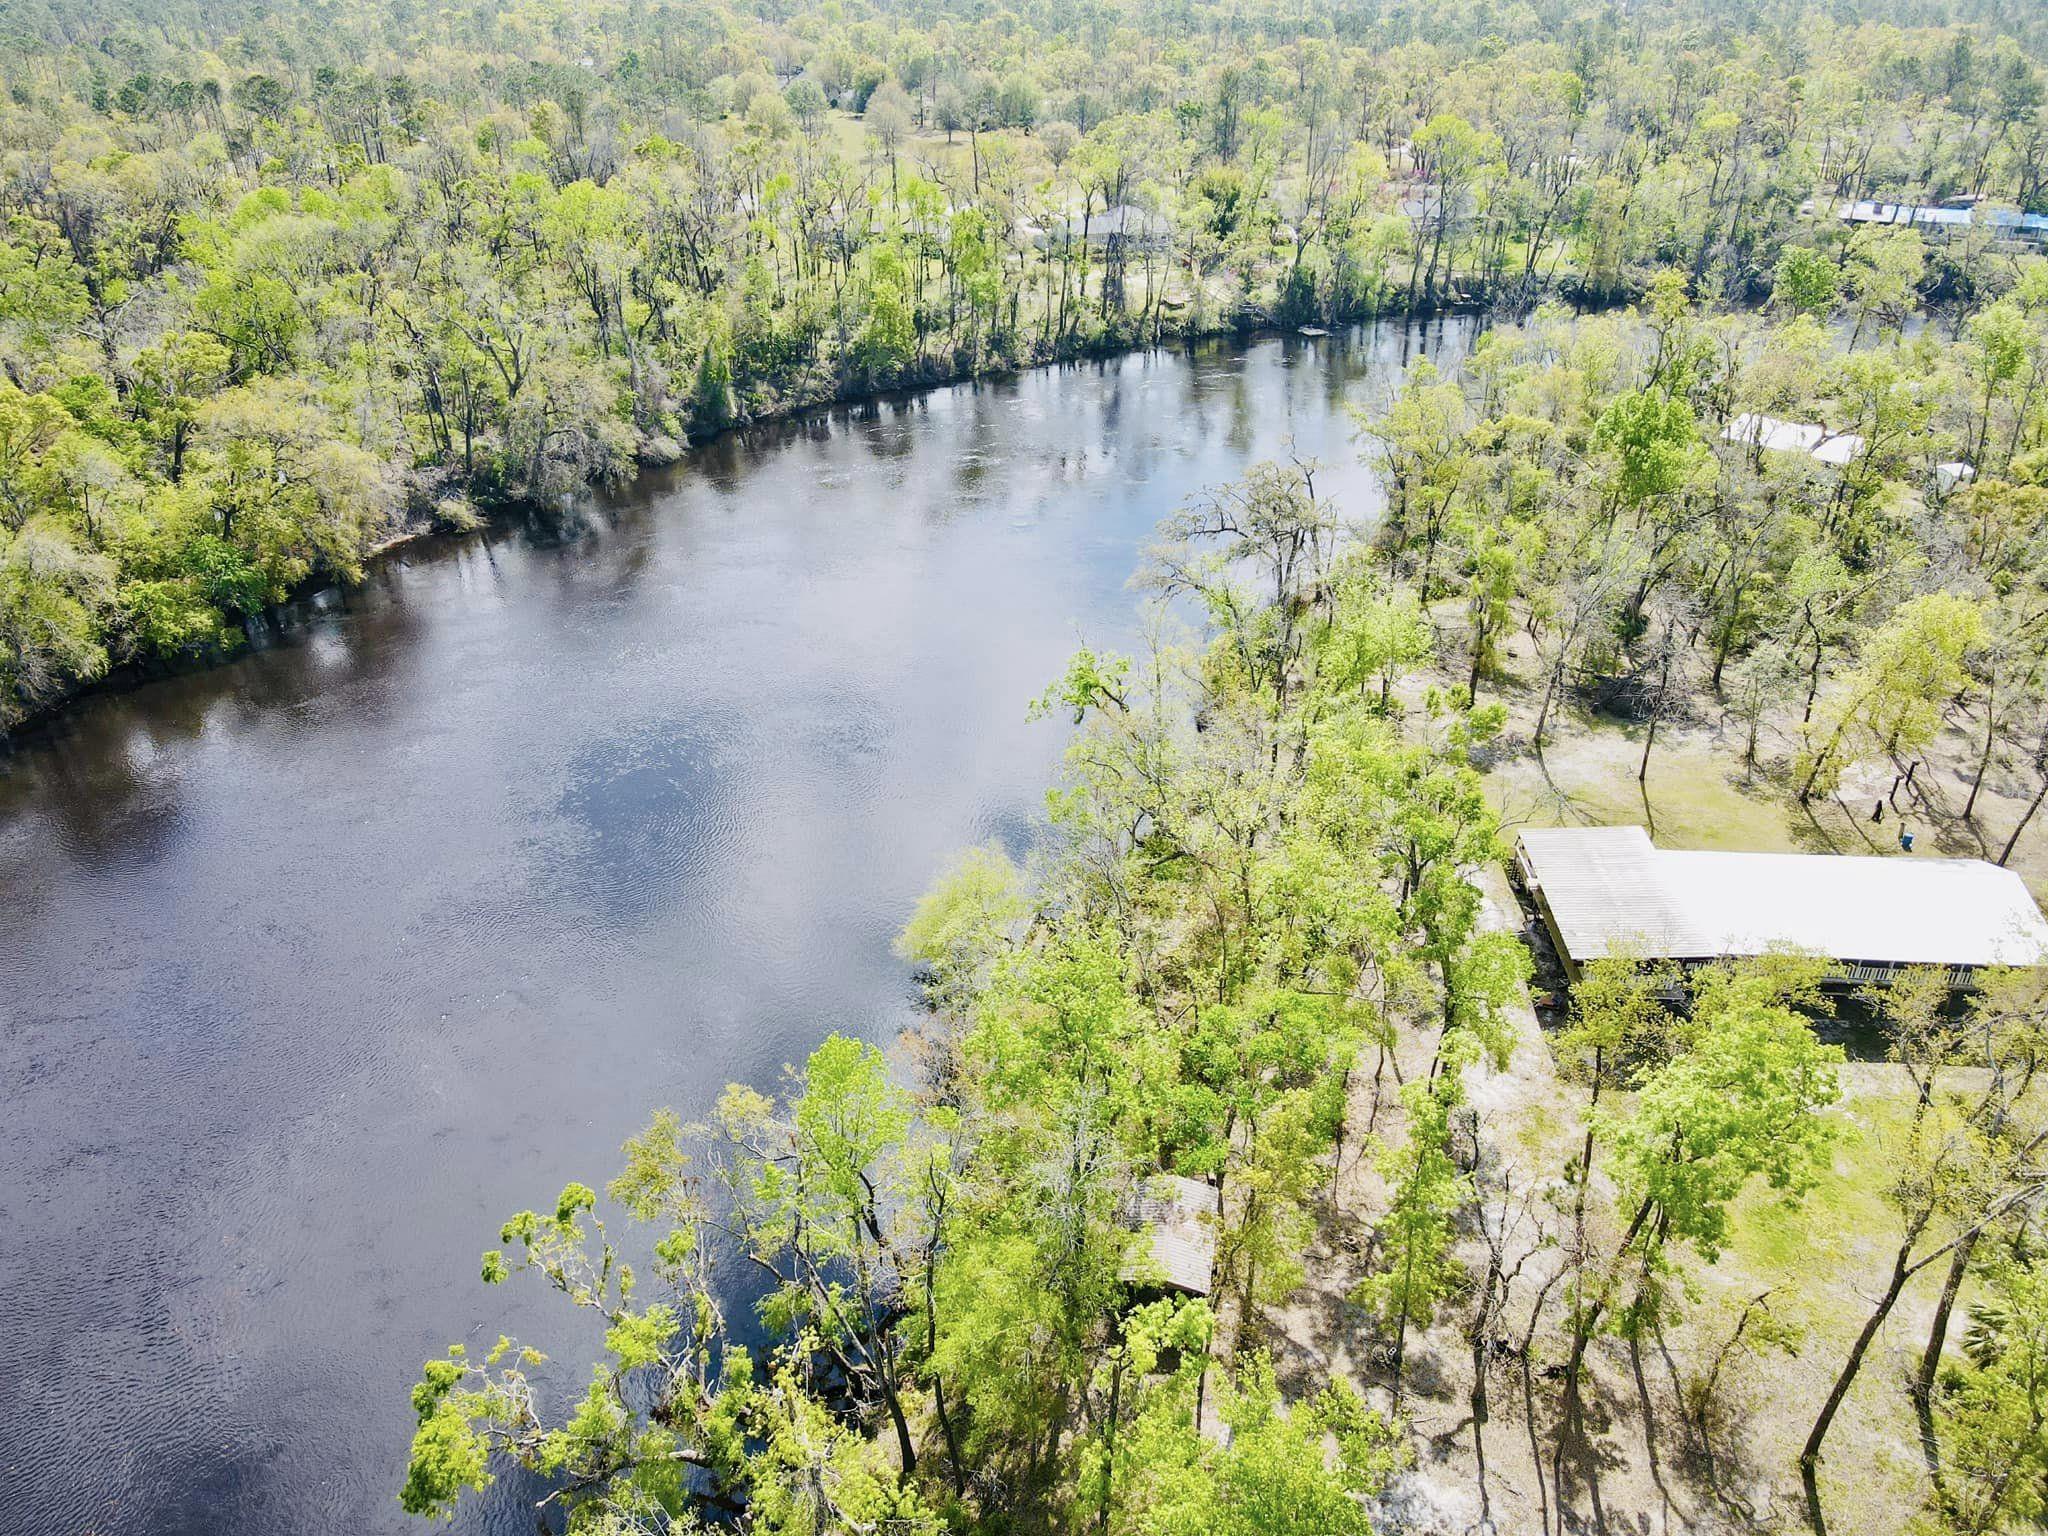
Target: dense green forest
point(281, 283)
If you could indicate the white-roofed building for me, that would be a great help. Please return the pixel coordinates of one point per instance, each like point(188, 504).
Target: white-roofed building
point(1610, 890)
point(1752, 430)
point(1951, 218)
point(1839, 450)
point(1757, 431)
point(1177, 1216)
point(1122, 227)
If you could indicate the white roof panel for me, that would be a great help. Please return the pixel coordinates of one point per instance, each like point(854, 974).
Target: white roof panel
point(1770, 432)
point(1839, 449)
point(1177, 1215)
point(1752, 429)
point(1610, 889)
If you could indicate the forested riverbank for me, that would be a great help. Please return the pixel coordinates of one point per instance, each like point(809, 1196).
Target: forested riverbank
point(569, 516)
point(1263, 946)
point(1743, 484)
point(265, 305)
point(1462, 1270)
point(378, 927)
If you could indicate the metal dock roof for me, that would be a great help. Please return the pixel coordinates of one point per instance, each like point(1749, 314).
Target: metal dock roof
point(1609, 889)
point(1176, 1214)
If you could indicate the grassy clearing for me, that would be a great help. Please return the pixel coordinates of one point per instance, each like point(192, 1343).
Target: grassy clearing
point(1700, 793)
point(1806, 1272)
point(1821, 1260)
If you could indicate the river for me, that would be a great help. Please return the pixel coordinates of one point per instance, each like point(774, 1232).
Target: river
point(316, 965)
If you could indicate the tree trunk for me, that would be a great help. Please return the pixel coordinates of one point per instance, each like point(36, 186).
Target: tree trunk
point(1809, 1455)
point(1984, 758)
point(931, 1324)
point(1937, 1339)
point(1813, 678)
point(905, 1447)
point(1543, 714)
point(1102, 1514)
point(1401, 1324)
point(2040, 794)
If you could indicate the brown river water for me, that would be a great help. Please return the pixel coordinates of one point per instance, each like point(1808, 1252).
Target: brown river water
point(316, 965)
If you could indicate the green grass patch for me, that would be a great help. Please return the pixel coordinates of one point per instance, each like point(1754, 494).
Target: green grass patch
point(1833, 1229)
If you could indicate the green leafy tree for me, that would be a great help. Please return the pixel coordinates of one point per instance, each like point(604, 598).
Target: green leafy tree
point(1893, 701)
point(1274, 1476)
point(1741, 1102)
point(1418, 1271)
point(1806, 282)
point(54, 596)
point(1994, 1405)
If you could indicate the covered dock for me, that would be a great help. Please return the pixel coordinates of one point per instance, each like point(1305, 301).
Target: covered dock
point(1610, 890)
